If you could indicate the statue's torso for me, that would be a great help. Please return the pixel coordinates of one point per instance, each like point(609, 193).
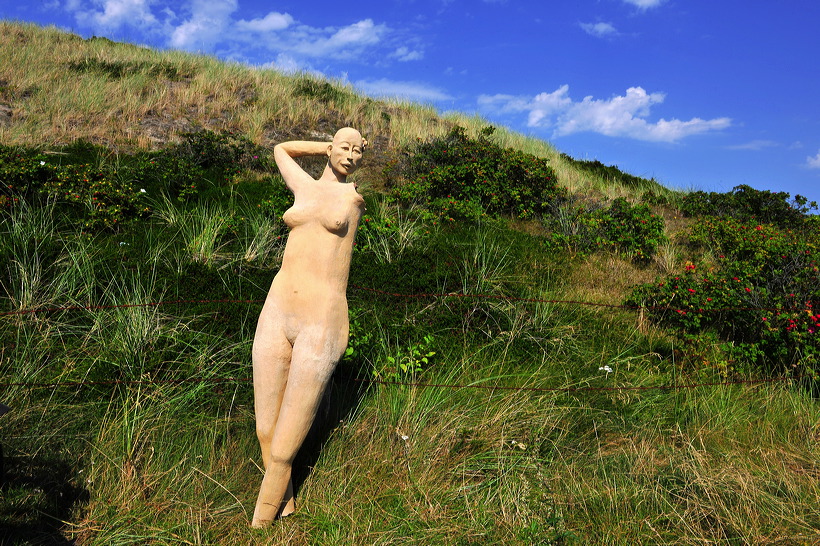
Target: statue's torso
point(311, 285)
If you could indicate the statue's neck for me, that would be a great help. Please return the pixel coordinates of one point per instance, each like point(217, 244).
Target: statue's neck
point(329, 175)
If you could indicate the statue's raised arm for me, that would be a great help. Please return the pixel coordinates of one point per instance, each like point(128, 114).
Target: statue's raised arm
point(303, 327)
point(344, 156)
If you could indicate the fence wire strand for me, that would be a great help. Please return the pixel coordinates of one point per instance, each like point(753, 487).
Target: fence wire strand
point(442, 295)
point(428, 295)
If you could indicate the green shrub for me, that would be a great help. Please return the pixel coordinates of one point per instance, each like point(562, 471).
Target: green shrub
point(217, 159)
point(760, 301)
point(170, 173)
point(456, 177)
point(96, 195)
point(227, 152)
point(279, 198)
point(746, 203)
point(102, 194)
point(22, 173)
point(633, 230)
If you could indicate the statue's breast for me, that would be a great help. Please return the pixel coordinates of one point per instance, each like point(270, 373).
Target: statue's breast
point(334, 212)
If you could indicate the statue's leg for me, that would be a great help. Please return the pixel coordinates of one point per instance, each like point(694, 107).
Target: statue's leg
point(271, 364)
point(312, 363)
point(288, 501)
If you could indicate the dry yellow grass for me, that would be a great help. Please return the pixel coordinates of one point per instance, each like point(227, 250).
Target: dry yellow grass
point(126, 97)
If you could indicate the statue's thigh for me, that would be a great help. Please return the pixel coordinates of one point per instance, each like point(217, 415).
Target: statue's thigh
point(315, 354)
point(272, 354)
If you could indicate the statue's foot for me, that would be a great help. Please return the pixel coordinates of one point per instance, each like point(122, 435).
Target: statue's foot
point(260, 523)
point(288, 509)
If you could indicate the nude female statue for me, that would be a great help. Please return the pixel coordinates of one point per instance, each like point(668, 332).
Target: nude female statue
point(303, 328)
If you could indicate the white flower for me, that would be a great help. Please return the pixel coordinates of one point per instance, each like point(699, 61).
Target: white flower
point(142, 190)
point(42, 163)
point(606, 369)
point(405, 437)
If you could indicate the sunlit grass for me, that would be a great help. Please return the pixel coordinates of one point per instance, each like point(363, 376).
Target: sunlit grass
point(532, 422)
point(136, 108)
point(165, 460)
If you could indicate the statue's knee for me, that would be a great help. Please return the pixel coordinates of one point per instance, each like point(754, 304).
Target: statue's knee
point(264, 433)
point(279, 462)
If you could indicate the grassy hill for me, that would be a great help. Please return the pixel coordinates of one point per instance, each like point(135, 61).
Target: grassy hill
point(543, 350)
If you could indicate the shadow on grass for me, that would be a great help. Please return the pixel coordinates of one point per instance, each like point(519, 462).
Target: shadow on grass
point(38, 495)
point(341, 399)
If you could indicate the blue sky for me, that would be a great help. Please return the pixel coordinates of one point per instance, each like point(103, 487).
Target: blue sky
point(698, 95)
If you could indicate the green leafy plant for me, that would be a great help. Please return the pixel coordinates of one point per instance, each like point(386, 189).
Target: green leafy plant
point(226, 151)
point(459, 177)
point(169, 173)
point(96, 194)
point(760, 299)
point(201, 159)
point(746, 203)
point(278, 199)
point(371, 353)
point(405, 362)
point(633, 230)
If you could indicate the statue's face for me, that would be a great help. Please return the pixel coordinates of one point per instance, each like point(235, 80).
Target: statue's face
point(345, 154)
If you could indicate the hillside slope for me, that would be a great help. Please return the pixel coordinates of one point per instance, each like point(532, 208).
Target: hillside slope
point(542, 350)
point(56, 87)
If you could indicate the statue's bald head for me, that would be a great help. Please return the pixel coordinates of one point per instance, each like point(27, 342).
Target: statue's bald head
point(345, 152)
point(348, 134)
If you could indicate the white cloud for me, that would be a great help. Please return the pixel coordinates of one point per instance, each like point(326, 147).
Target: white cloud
point(813, 162)
point(343, 43)
point(620, 116)
point(404, 54)
point(645, 4)
point(356, 35)
point(754, 145)
point(206, 26)
point(408, 90)
point(113, 14)
point(272, 22)
point(599, 30)
point(505, 104)
point(210, 25)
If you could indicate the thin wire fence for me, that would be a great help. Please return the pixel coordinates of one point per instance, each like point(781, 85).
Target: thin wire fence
point(477, 386)
point(429, 295)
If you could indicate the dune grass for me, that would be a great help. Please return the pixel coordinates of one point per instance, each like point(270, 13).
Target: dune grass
point(129, 97)
point(159, 446)
point(518, 418)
